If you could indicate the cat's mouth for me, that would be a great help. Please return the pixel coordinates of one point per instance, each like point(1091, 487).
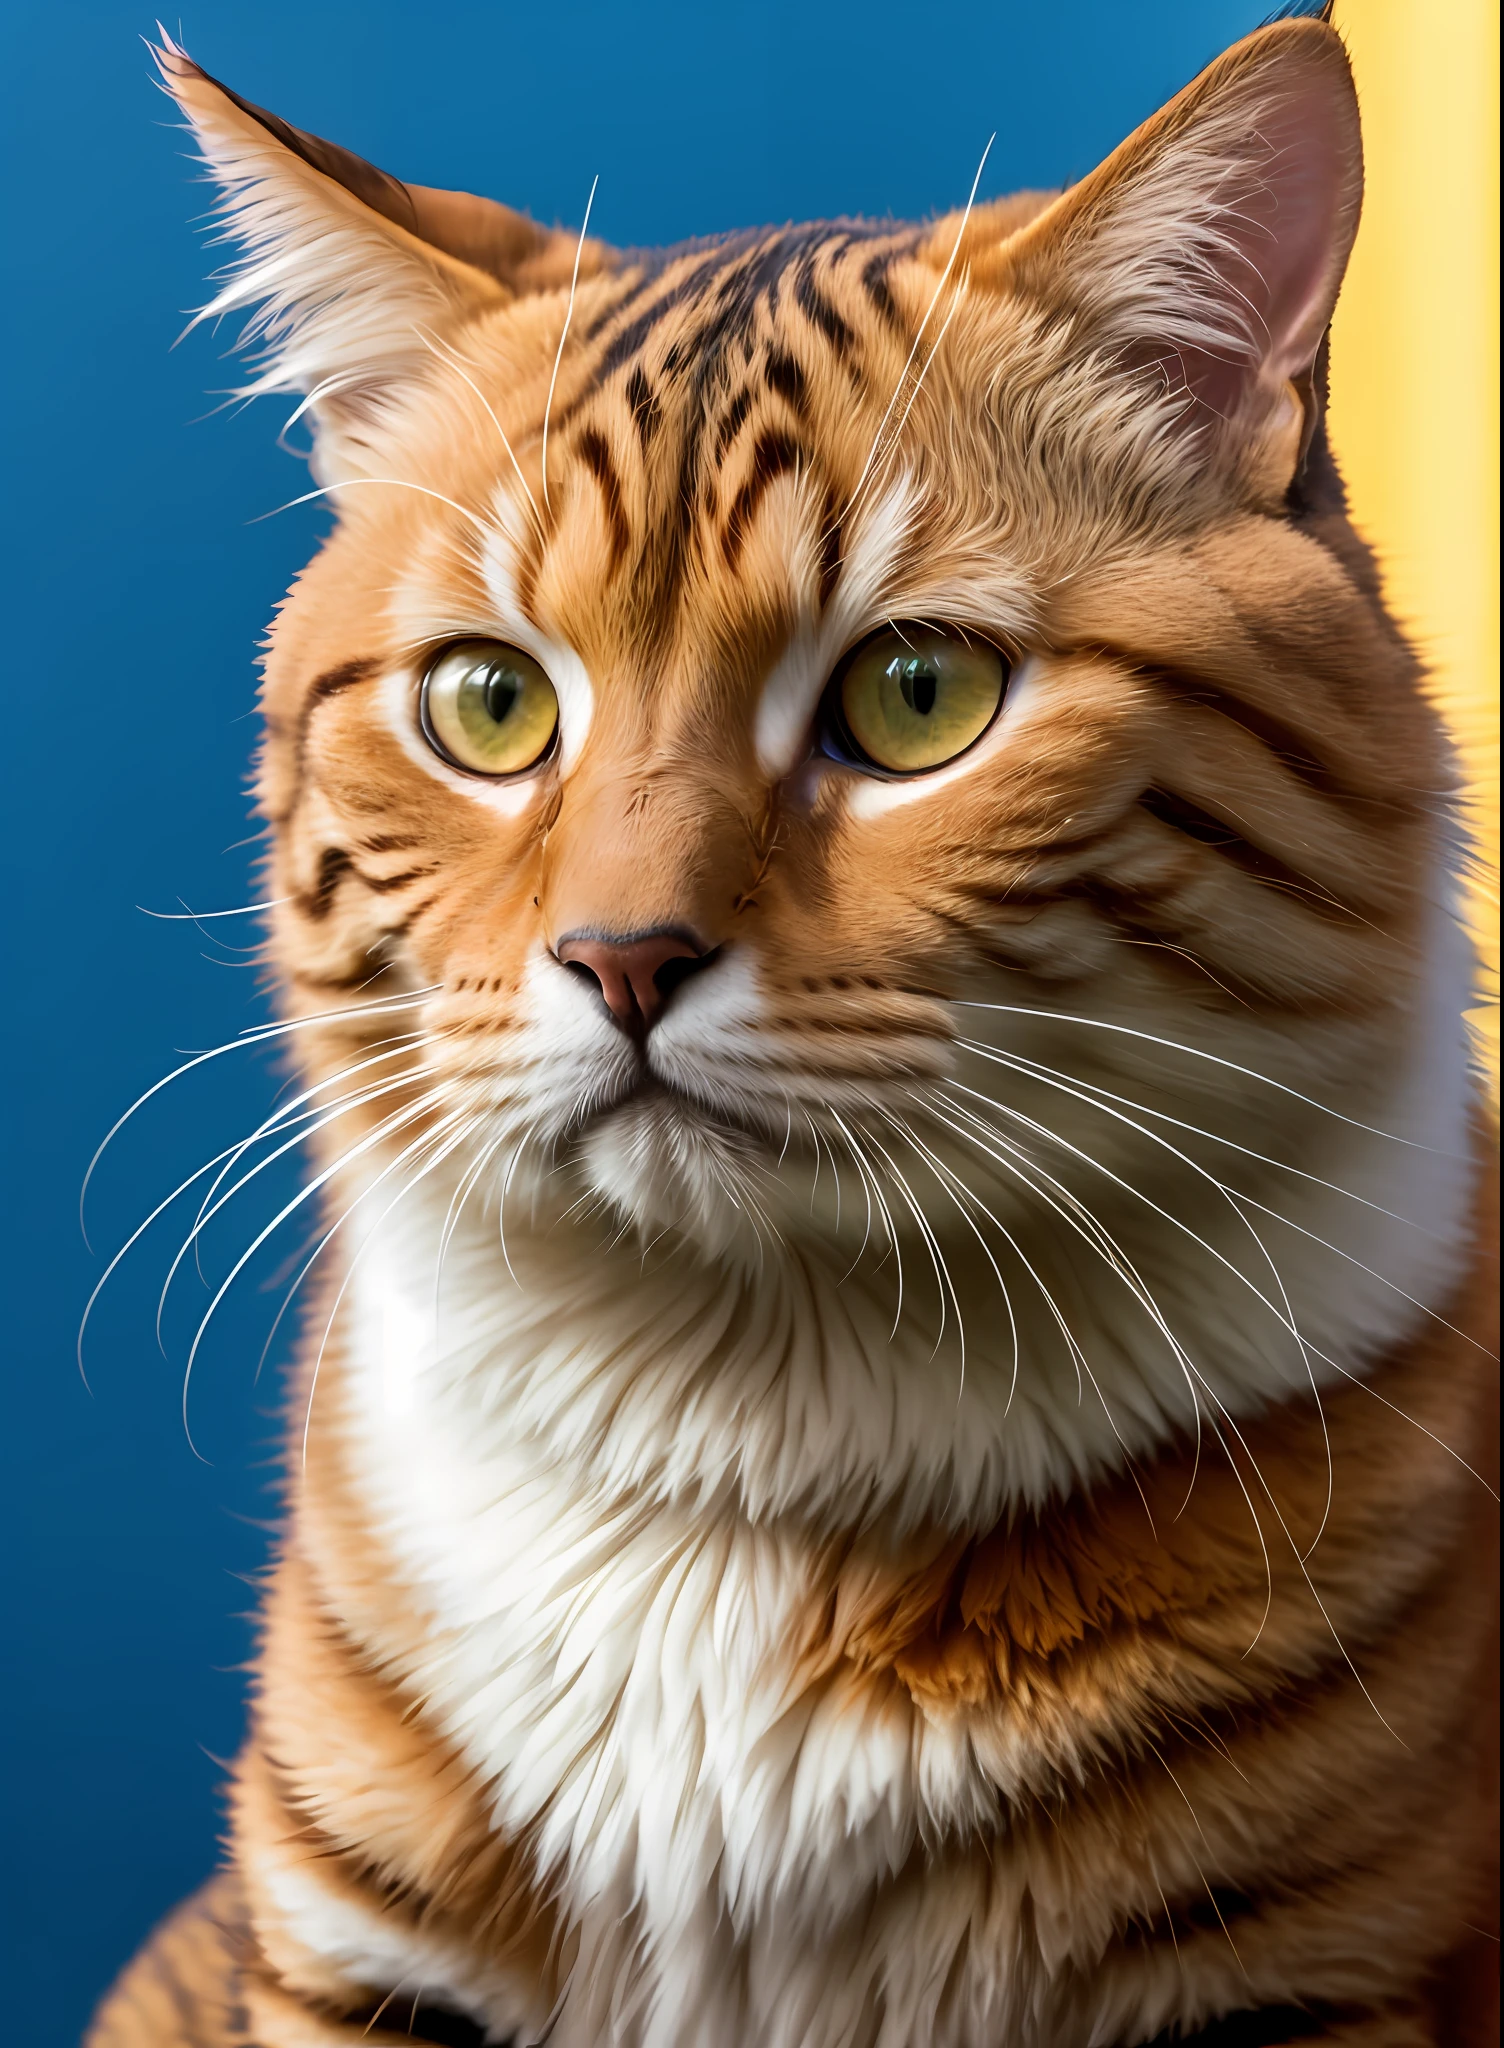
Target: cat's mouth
point(659, 1104)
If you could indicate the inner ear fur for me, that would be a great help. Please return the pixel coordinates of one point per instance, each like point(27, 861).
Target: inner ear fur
point(1211, 245)
point(346, 273)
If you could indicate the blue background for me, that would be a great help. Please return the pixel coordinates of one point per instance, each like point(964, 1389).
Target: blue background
point(138, 588)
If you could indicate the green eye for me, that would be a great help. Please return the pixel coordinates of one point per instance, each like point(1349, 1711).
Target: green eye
point(489, 708)
point(912, 697)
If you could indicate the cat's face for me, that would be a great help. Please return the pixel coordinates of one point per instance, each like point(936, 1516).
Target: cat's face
point(731, 675)
point(672, 703)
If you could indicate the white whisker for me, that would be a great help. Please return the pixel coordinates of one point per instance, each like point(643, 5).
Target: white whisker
point(136, 1235)
point(382, 1130)
point(1073, 1346)
point(450, 357)
point(288, 1113)
point(318, 1120)
point(866, 1167)
point(931, 1244)
point(945, 1177)
point(574, 280)
point(1285, 1318)
point(1197, 1052)
point(395, 483)
point(258, 1034)
point(1095, 1088)
point(187, 916)
point(950, 262)
point(867, 1200)
point(463, 1190)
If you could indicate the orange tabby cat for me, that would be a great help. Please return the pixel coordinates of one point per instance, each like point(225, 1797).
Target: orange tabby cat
point(890, 1454)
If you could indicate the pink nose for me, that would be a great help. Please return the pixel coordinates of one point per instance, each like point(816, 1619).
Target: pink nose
point(636, 974)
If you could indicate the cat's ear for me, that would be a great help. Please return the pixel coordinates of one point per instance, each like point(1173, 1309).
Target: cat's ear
point(1211, 245)
point(349, 278)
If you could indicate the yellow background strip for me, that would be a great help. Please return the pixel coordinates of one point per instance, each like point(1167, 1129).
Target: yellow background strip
point(1415, 374)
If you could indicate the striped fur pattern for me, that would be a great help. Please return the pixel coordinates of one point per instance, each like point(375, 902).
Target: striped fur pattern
point(940, 1497)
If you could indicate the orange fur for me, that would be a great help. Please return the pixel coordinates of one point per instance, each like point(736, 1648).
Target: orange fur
point(1240, 1768)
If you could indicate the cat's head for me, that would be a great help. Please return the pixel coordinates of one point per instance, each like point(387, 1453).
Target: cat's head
point(836, 700)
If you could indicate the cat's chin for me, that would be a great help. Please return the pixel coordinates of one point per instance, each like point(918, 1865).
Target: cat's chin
point(666, 1166)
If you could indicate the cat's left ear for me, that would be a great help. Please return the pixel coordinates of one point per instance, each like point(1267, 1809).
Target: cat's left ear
point(1210, 246)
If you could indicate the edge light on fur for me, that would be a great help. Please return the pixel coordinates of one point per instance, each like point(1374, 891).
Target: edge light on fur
point(926, 1482)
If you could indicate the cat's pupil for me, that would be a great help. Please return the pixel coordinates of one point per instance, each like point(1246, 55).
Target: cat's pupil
point(502, 686)
point(918, 683)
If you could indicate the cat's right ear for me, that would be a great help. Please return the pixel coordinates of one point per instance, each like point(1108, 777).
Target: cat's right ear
point(347, 276)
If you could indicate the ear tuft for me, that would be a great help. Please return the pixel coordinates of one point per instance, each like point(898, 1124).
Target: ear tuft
point(345, 274)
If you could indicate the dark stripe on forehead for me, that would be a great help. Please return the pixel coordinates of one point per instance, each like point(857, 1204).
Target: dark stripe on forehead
point(595, 453)
point(875, 284)
point(725, 298)
point(754, 280)
point(732, 422)
point(647, 414)
point(639, 281)
point(751, 284)
point(786, 378)
point(744, 271)
point(627, 341)
point(775, 455)
point(818, 309)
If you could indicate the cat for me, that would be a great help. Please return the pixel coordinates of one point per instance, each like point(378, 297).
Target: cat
point(892, 1449)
